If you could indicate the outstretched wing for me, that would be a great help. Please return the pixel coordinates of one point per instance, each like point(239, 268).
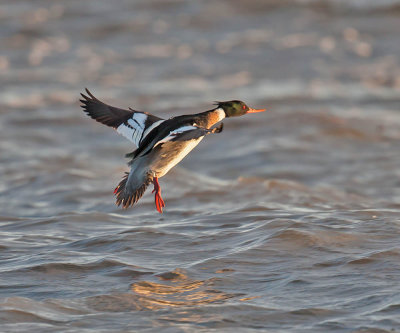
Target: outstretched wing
point(134, 125)
point(189, 132)
point(183, 133)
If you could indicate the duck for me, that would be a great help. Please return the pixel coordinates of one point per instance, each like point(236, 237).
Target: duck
point(160, 144)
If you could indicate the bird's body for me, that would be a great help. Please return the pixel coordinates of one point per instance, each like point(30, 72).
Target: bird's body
point(161, 144)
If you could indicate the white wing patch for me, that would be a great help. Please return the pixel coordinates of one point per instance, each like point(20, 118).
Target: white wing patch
point(133, 130)
point(150, 128)
point(174, 133)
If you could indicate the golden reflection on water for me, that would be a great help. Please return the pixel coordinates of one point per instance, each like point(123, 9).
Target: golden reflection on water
point(177, 290)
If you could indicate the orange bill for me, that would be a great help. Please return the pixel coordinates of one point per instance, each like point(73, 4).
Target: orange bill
point(255, 110)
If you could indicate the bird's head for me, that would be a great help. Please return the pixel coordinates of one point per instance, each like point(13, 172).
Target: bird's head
point(236, 108)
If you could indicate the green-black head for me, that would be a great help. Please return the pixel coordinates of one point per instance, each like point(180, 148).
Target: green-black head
point(236, 108)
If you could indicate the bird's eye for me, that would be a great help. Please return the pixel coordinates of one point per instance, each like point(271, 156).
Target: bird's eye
point(244, 107)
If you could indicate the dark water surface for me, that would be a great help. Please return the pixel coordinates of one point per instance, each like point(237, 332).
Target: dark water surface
point(288, 221)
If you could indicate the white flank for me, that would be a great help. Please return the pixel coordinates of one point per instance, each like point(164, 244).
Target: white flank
point(133, 131)
point(179, 157)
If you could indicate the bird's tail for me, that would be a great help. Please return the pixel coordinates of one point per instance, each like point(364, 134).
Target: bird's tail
point(131, 188)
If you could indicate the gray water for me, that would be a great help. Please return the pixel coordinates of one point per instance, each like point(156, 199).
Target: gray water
point(287, 221)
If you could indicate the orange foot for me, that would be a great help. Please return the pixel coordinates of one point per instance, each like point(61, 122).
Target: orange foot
point(160, 204)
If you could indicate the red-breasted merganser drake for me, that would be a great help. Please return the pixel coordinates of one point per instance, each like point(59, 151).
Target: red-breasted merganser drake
point(161, 143)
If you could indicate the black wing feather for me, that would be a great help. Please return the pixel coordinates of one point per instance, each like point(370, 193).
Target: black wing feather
point(107, 114)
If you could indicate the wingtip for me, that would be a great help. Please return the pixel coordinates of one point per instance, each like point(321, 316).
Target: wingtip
point(219, 128)
point(90, 94)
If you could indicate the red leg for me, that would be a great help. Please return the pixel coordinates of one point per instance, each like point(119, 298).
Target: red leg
point(157, 197)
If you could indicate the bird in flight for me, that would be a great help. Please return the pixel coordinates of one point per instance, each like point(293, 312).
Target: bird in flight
point(161, 143)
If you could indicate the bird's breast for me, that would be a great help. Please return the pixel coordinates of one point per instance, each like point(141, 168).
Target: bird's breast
point(170, 154)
